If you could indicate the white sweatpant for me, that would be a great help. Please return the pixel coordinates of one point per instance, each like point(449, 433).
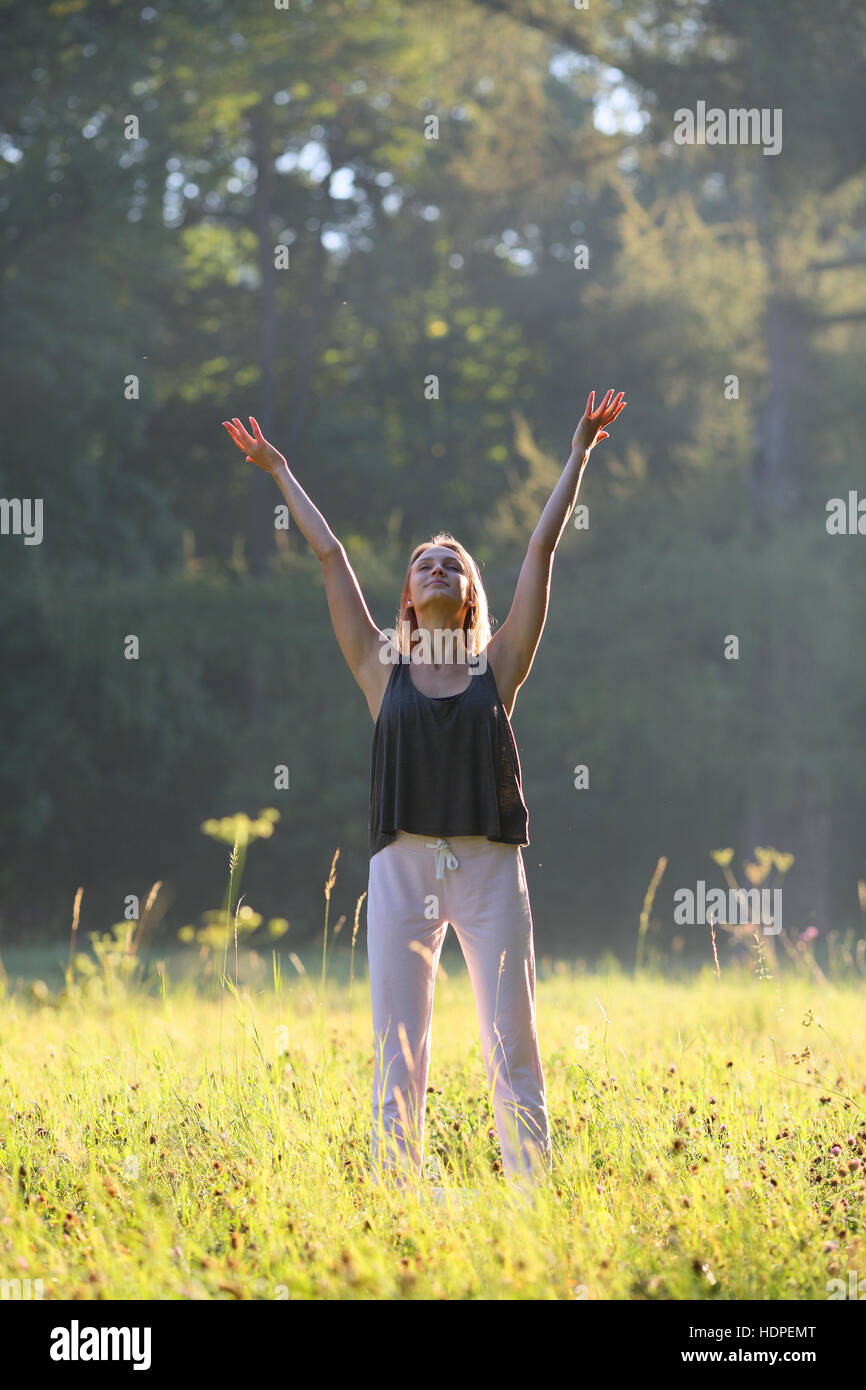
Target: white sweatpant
point(417, 885)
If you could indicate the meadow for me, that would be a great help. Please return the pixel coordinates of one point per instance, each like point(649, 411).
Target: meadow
point(198, 1128)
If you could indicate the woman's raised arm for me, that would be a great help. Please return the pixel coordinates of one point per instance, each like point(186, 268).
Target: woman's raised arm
point(359, 638)
point(592, 428)
point(310, 520)
point(512, 648)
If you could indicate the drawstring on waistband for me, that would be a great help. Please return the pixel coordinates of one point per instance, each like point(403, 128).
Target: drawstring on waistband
point(444, 855)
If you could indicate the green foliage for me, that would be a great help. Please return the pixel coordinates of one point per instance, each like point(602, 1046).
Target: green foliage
point(450, 258)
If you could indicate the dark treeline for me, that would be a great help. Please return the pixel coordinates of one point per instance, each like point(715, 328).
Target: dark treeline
point(409, 239)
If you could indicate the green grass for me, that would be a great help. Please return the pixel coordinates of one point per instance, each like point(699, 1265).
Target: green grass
point(165, 1139)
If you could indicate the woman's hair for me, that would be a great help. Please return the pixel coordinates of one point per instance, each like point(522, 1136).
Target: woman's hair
point(476, 624)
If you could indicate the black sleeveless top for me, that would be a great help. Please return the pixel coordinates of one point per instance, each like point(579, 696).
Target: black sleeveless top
point(445, 764)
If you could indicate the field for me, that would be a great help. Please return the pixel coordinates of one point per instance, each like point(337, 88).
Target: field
point(172, 1134)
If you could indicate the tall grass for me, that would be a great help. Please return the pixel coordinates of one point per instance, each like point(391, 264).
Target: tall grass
point(709, 1132)
point(708, 1143)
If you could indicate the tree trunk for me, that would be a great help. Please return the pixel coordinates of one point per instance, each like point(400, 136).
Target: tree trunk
point(261, 485)
point(799, 822)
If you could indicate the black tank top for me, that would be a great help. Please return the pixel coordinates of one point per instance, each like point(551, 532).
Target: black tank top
point(445, 764)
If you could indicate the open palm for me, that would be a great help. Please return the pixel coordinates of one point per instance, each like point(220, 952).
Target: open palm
point(592, 426)
point(257, 449)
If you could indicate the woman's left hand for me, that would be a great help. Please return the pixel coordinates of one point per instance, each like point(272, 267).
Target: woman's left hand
point(592, 427)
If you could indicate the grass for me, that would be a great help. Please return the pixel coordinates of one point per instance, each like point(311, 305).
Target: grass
point(197, 1138)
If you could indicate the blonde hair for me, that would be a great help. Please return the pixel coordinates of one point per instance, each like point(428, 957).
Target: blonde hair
point(476, 624)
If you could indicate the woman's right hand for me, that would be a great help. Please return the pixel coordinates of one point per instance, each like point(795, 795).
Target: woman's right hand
point(257, 449)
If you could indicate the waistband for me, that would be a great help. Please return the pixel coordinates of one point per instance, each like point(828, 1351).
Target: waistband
point(449, 851)
point(467, 843)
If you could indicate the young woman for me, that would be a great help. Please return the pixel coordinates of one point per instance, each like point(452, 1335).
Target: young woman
point(447, 816)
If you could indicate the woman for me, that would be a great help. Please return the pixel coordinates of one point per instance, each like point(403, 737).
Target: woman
point(447, 815)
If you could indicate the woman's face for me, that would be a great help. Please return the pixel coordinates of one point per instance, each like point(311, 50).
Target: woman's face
point(439, 585)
